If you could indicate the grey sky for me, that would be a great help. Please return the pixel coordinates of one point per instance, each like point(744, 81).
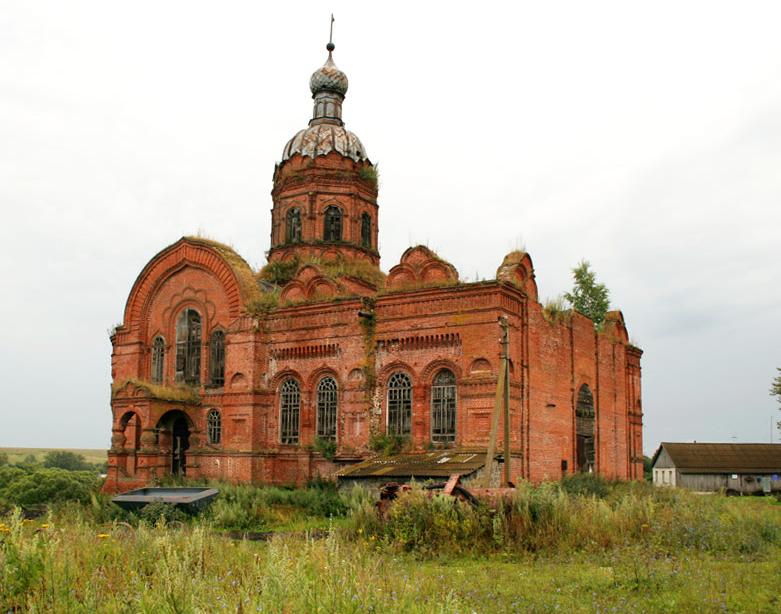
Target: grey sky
point(645, 137)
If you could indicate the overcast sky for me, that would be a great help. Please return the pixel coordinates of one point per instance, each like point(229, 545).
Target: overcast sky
point(644, 137)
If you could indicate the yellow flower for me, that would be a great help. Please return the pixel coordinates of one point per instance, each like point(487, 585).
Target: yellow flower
point(27, 521)
point(45, 525)
point(103, 535)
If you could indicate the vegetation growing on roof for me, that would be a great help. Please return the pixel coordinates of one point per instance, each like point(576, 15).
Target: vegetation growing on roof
point(240, 267)
point(264, 303)
point(182, 394)
point(556, 311)
point(588, 297)
point(281, 272)
point(370, 174)
point(514, 257)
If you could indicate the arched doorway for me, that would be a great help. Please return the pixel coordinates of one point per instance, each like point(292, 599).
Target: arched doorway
point(130, 426)
point(173, 431)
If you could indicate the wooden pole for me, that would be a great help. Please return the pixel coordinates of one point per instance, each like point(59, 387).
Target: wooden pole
point(489, 455)
point(506, 395)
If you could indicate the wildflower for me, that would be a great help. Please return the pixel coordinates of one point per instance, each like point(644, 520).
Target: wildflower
point(27, 521)
point(103, 535)
point(45, 525)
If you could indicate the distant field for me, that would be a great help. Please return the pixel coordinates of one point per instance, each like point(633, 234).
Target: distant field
point(18, 454)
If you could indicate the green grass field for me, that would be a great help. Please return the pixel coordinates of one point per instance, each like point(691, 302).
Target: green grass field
point(16, 455)
point(582, 545)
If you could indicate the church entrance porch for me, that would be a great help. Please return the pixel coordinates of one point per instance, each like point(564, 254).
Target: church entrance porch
point(173, 431)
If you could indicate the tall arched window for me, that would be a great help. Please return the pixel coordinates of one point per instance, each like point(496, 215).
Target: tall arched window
point(289, 411)
point(217, 358)
point(366, 230)
point(293, 227)
point(399, 404)
point(584, 430)
point(443, 407)
point(158, 360)
point(326, 408)
point(332, 230)
point(213, 427)
point(188, 347)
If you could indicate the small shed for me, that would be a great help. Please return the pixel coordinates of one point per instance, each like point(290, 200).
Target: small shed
point(745, 468)
point(437, 465)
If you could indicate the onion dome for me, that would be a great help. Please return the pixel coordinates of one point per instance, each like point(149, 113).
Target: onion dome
point(328, 78)
point(326, 131)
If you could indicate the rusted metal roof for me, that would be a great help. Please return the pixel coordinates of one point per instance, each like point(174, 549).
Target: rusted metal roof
point(724, 457)
point(322, 139)
point(442, 463)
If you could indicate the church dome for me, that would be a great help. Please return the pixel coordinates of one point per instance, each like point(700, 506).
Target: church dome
point(328, 78)
point(322, 139)
point(326, 131)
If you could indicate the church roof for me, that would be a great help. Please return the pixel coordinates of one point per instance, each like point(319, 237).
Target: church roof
point(326, 132)
point(322, 139)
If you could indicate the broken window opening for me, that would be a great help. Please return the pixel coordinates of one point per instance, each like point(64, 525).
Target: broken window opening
point(214, 427)
point(290, 411)
point(158, 359)
point(326, 408)
point(399, 404)
point(584, 430)
point(333, 224)
point(443, 407)
point(188, 347)
point(293, 234)
point(217, 359)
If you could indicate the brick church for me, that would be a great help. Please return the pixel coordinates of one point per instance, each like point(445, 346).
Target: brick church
point(320, 359)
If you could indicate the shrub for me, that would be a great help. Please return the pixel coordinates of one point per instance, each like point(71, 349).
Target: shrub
point(44, 486)
point(63, 459)
point(586, 484)
point(387, 443)
point(158, 511)
point(325, 447)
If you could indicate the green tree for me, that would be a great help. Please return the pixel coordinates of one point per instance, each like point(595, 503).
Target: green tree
point(588, 297)
point(775, 391)
point(3, 459)
point(62, 459)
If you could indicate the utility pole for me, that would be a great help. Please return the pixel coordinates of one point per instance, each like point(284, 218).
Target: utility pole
point(506, 395)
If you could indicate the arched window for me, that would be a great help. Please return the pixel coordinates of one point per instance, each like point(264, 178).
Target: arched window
point(366, 230)
point(332, 230)
point(217, 358)
point(443, 407)
point(290, 411)
point(158, 360)
point(399, 404)
point(188, 347)
point(326, 408)
point(584, 430)
point(213, 427)
point(293, 228)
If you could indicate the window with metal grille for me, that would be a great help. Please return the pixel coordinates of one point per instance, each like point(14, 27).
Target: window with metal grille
point(399, 404)
point(326, 408)
point(366, 230)
point(214, 427)
point(188, 347)
point(333, 224)
point(584, 430)
point(443, 407)
point(158, 359)
point(293, 228)
point(290, 410)
point(217, 358)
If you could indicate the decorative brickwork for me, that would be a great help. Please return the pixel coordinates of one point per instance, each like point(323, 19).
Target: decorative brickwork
point(332, 348)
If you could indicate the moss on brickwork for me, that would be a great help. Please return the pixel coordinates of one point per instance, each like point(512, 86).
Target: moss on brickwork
point(244, 273)
point(281, 272)
point(179, 394)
